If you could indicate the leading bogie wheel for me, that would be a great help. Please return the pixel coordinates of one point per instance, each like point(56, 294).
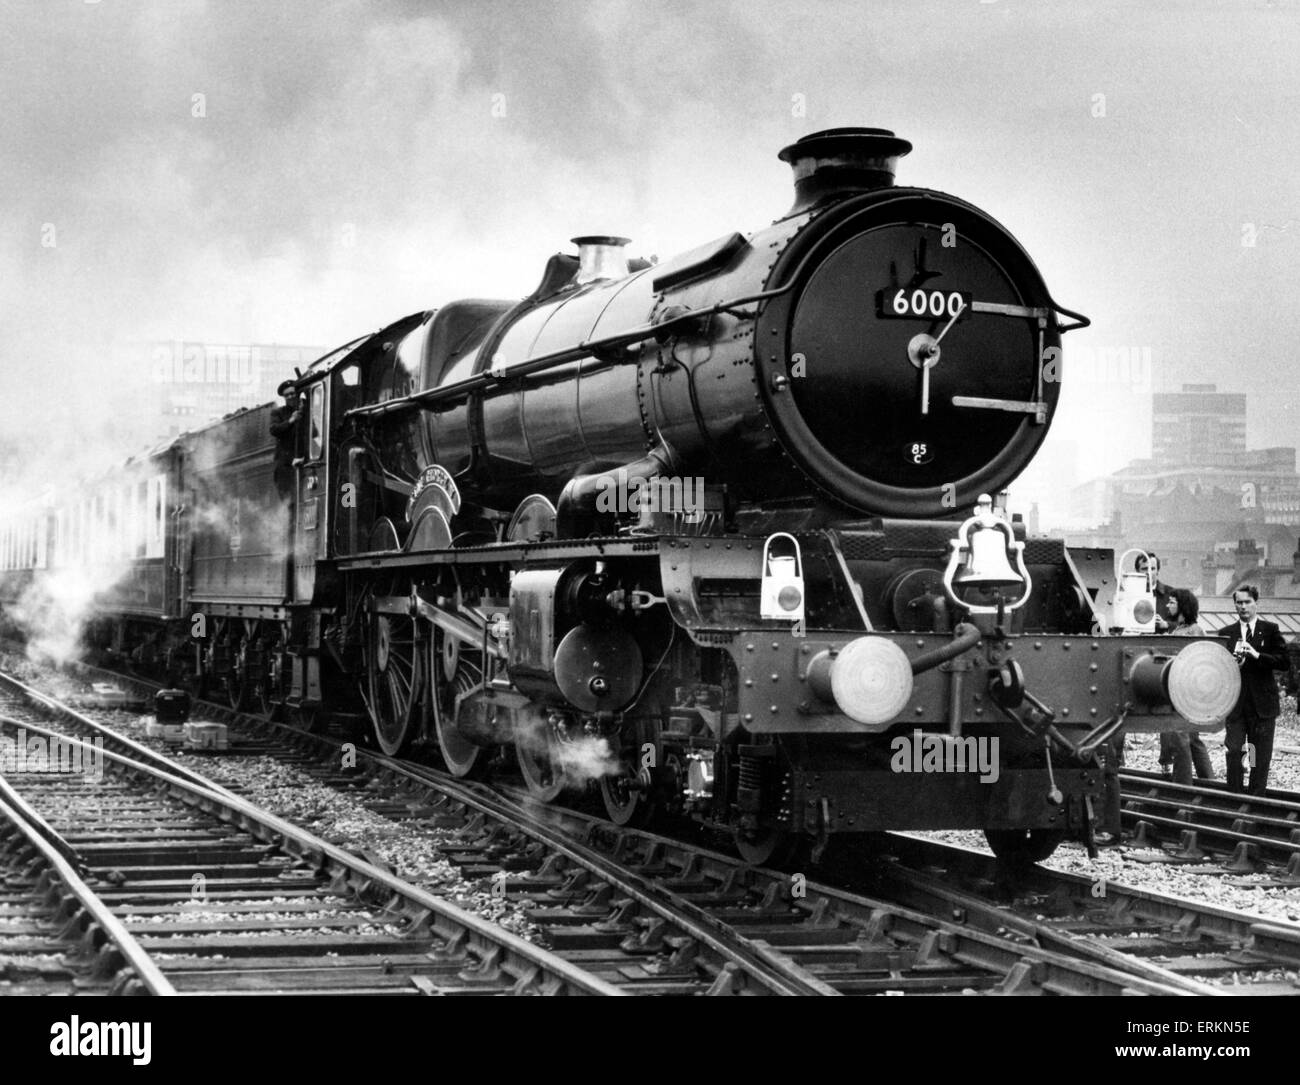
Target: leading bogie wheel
point(767, 846)
point(628, 794)
point(538, 751)
point(1020, 848)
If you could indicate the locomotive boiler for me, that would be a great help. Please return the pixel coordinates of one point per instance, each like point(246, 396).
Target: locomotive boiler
point(880, 349)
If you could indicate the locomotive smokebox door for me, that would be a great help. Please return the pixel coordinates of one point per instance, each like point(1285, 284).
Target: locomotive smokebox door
point(782, 595)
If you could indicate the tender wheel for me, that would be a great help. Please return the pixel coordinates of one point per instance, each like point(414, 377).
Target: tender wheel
point(221, 663)
point(394, 669)
point(628, 794)
point(267, 666)
point(537, 749)
point(1020, 848)
point(454, 669)
point(767, 846)
point(239, 686)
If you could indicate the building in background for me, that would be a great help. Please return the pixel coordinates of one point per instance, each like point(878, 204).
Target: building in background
point(1197, 425)
point(1271, 563)
point(194, 383)
point(1200, 494)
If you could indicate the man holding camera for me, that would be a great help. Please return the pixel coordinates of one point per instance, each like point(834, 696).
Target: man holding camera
point(1259, 650)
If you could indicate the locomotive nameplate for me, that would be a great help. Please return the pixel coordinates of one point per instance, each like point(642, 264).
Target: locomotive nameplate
point(900, 303)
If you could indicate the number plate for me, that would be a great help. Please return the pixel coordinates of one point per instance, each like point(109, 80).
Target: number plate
point(921, 304)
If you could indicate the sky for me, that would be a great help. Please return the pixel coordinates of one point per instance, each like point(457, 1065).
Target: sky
point(308, 170)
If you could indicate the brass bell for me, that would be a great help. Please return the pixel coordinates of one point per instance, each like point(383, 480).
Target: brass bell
point(986, 563)
point(986, 554)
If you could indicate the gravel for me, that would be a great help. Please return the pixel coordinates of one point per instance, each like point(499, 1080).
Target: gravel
point(340, 818)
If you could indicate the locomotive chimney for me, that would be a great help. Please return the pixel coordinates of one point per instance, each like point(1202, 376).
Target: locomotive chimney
point(600, 257)
point(840, 162)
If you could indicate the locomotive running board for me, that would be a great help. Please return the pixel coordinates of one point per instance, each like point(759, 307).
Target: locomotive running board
point(517, 554)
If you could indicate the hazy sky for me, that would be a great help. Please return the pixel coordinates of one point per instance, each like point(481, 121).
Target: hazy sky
point(350, 162)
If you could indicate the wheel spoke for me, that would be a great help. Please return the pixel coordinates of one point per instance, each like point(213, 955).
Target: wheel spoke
point(393, 675)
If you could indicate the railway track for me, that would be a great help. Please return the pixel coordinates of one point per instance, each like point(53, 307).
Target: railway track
point(56, 935)
point(663, 916)
point(1208, 824)
point(1210, 950)
point(222, 897)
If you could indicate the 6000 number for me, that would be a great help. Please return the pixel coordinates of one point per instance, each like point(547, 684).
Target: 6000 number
point(925, 304)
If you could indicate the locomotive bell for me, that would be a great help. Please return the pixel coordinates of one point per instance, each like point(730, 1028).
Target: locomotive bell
point(981, 556)
point(986, 562)
point(782, 593)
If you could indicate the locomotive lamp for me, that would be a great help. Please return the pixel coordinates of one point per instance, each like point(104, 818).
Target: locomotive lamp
point(1202, 682)
point(1134, 606)
point(981, 557)
point(782, 594)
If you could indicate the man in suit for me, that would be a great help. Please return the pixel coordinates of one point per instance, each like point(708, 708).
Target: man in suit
point(1260, 650)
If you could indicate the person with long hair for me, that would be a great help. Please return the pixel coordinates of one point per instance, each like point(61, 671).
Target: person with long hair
point(1181, 752)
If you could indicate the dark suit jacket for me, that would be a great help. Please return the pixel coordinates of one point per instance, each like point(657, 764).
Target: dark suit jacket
point(1258, 686)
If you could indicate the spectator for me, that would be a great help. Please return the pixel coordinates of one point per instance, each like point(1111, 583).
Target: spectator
point(1260, 650)
point(1181, 752)
point(1160, 590)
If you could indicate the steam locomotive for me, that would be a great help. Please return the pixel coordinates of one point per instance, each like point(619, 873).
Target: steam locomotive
point(724, 537)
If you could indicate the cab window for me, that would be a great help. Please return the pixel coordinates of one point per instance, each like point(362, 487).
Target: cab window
point(316, 438)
